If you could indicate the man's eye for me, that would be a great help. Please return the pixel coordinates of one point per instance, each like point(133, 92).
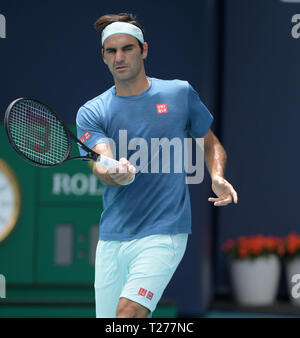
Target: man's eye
point(110, 51)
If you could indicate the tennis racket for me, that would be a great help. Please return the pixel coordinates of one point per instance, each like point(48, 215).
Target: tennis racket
point(39, 136)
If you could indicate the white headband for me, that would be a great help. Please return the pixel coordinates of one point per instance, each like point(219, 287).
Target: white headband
point(122, 28)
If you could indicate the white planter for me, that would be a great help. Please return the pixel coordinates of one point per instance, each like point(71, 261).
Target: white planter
point(255, 282)
point(293, 268)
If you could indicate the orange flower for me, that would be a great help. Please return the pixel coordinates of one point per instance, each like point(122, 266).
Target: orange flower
point(243, 252)
point(280, 249)
point(292, 243)
point(271, 243)
point(257, 245)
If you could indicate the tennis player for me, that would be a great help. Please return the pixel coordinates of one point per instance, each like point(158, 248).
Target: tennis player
point(146, 217)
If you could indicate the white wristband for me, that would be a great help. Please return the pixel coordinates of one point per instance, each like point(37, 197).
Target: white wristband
point(108, 162)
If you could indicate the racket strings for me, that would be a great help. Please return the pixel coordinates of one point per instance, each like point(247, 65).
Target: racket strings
point(37, 133)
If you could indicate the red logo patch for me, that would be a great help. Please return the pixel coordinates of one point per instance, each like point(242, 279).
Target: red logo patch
point(161, 108)
point(150, 295)
point(142, 292)
point(87, 135)
point(82, 139)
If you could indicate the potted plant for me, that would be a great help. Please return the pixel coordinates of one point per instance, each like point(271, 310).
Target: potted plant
point(292, 266)
point(254, 267)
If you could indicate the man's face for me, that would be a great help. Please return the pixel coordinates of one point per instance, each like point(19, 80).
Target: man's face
point(123, 56)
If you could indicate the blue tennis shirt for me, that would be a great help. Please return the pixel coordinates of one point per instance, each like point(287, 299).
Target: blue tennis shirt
point(158, 201)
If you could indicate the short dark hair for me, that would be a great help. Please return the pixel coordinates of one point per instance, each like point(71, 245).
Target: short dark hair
point(107, 19)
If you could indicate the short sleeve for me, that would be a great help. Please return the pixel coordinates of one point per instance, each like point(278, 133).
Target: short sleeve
point(90, 129)
point(200, 119)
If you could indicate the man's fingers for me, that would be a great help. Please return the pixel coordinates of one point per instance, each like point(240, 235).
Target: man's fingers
point(124, 173)
point(132, 169)
point(123, 161)
point(225, 191)
point(235, 197)
point(113, 170)
point(221, 200)
point(124, 167)
point(127, 167)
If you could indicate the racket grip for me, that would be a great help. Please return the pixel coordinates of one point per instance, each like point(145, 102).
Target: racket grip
point(108, 162)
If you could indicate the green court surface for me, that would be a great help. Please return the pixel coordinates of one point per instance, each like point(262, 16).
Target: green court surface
point(67, 310)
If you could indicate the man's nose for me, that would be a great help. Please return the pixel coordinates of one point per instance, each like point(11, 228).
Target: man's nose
point(119, 56)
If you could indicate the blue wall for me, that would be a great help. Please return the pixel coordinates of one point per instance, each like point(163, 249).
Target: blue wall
point(53, 52)
point(260, 121)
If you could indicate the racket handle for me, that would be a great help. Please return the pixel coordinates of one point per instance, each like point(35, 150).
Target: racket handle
point(111, 163)
point(108, 162)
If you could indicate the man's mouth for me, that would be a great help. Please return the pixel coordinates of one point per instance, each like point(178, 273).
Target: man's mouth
point(121, 67)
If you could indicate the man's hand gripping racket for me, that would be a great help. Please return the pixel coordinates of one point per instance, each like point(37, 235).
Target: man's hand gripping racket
point(39, 136)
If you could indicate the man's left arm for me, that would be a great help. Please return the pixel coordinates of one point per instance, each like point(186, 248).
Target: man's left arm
point(215, 159)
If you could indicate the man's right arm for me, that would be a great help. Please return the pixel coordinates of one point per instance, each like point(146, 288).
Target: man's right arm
point(114, 176)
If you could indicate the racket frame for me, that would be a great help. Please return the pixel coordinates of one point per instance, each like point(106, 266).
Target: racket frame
point(91, 155)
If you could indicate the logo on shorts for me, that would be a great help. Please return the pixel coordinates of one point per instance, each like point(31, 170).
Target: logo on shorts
point(161, 108)
point(149, 295)
point(143, 293)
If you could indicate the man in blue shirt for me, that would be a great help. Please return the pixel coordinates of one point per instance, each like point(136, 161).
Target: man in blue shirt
point(146, 218)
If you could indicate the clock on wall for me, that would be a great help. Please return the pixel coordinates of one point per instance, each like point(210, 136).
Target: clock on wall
point(10, 200)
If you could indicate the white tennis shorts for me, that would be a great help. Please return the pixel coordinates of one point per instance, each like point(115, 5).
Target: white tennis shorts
point(138, 270)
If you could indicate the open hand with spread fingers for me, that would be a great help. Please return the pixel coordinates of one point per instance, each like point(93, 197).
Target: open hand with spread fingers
point(225, 192)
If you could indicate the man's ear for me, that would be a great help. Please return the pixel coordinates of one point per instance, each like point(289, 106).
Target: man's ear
point(102, 51)
point(145, 50)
